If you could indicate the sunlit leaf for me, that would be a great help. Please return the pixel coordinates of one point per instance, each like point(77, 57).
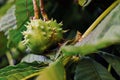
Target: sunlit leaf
point(55, 71)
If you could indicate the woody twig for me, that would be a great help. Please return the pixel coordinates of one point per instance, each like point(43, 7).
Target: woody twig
point(36, 10)
point(43, 13)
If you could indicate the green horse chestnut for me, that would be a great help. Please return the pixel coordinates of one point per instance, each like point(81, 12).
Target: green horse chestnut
point(41, 35)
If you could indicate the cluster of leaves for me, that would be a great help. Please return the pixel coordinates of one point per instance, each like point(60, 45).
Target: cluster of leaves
point(85, 60)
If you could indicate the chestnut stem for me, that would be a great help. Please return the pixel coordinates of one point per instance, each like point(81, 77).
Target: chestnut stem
point(43, 13)
point(36, 10)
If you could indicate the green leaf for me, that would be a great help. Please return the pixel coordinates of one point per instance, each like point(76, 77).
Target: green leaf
point(54, 71)
point(88, 69)
point(113, 60)
point(3, 43)
point(82, 50)
point(19, 71)
point(107, 30)
point(15, 36)
point(105, 34)
point(24, 9)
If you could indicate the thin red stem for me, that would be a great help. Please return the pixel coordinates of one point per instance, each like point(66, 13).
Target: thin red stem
point(36, 10)
point(43, 13)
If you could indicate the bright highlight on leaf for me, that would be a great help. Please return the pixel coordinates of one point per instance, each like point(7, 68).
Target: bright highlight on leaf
point(84, 3)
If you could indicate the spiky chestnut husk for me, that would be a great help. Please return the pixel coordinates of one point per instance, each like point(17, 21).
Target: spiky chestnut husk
point(41, 35)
